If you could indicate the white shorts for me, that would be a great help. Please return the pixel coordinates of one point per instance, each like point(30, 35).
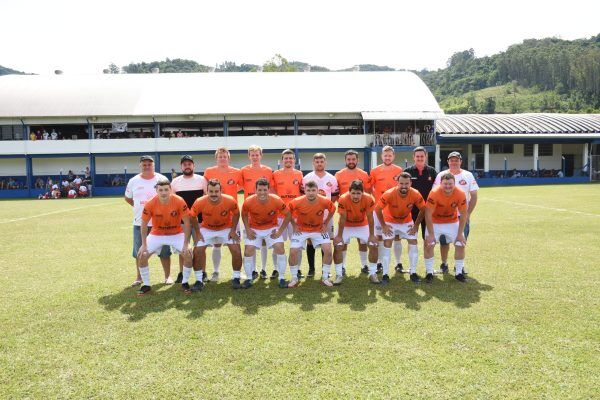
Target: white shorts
point(449, 230)
point(263, 234)
point(156, 242)
point(215, 237)
point(317, 239)
point(376, 224)
point(400, 230)
point(287, 232)
point(359, 232)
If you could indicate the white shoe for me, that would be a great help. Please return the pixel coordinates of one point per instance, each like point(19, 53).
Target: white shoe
point(214, 277)
point(137, 282)
point(169, 281)
point(374, 279)
point(293, 283)
point(326, 282)
point(338, 280)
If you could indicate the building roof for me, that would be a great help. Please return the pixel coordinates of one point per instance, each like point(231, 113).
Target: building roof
point(397, 93)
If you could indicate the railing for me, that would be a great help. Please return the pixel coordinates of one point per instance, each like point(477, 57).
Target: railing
point(404, 139)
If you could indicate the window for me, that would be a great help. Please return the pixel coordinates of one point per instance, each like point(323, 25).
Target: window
point(501, 148)
point(11, 132)
point(477, 148)
point(544, 149)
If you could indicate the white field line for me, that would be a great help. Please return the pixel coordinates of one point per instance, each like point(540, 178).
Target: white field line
point(543, 207)
point(54, 212)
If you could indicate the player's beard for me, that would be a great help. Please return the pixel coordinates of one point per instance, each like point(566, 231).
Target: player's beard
point(403, 191)
point(188, 172)
point(351, 165)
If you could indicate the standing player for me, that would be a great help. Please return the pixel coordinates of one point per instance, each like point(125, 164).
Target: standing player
point(356, 221)
point(394, 211)
point(250, 174)
point(286, 184)
point(140, 189)
point(231, 182)
point(383, 177)
point(220, 217)
point(166, 211)
point(328, 187)
point(259, 214)
point(189, 186)
point(444, 204)
point(465, 181)
point(309, 223)
point(344, 178)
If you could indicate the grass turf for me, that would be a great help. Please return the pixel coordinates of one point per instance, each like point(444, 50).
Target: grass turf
point(525, 326)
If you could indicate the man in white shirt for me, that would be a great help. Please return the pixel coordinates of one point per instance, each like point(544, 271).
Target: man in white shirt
point(140, 189)
point(327, 187)
point(465, 181)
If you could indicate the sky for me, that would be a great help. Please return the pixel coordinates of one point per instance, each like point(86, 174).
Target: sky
point(84, 37)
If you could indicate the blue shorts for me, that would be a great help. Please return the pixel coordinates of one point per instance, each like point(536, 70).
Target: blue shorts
point(165, 252)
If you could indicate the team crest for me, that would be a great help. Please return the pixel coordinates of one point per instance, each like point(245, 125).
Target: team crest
point(230, 182)
point(296, 181)
point(409, 205)
point(224, 213)
point(321, 192)
point(462, 182)
point(320, 212)
point(454, 204)
point(362, 210)
point(174, 213)
point(272, 212)
point(329, 184)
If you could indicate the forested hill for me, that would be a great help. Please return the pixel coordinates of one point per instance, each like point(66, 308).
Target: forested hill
point(8, 71)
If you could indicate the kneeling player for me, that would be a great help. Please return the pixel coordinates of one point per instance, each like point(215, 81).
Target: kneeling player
point(308, 223)
point(166, 210)
point(394, 211)
point(220, 216)
point(356, 221)
point(443, 224)
point(259, 214)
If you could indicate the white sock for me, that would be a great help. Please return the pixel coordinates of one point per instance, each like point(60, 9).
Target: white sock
point(294, 271)
point(339, 269)
point(186, 274)
point(363, 258)
point(236, 274)
point(385, 259)
point(326, 269)
point(281, 265)
point(299, 259)
point(398, 251)
point(459, 266)
point(274, 259)
point(372, 268)
point(249, 266)
point(264, 252)
point(198, 275)
point(145, 274)
point(344, 254)
point(413, 257)
point(429, 265)
point(216, 258)
point(380, 246)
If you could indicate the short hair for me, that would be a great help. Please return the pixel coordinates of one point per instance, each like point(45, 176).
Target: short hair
point(319, 155)
point(351, 153)
point(419, 148)
point(222, 150)
point(162, 182)
point(288, 151)
point(312, 185)
point(356, 185)
point(405, 175)
point(262, 182)
point(388, 148)
point(255, 147)
point(215, 182)
point(447, 176)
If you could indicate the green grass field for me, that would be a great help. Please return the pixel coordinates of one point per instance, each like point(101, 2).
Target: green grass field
point(527, 325)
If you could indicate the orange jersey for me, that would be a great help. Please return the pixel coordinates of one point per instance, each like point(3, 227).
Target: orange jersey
point(445, 207)
point(356, 213)
point(384, 178)
point(263, 215)
point(231, 179)
point(251, 175)
point(309, 216)
point(287, 184)
point(218, 216)
point(166, 218)
point(398, 209)
point(346, 176)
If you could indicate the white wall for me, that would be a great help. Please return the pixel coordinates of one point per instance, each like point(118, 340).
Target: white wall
point(52, 166)
point(117, 165)
point(12, 167)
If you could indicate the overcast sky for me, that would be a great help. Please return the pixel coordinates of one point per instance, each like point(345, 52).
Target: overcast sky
point(85, 36)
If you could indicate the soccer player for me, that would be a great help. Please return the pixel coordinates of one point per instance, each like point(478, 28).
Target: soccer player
point(444, 204)
point(465, 181)
point(383, 177)
point(166, 210)
point(312, 215)
point(287, 183)
point(328, 187)
point(394, 211)
point(344, 178)
point(356, 221)
point(250, 174)
point(189, 186)
point(231, 182)
point(140, 189)
point(220, 217)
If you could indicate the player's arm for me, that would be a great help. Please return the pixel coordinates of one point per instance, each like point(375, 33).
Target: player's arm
point(233, 233)
point(430, 238)
point(250, 234)
point(286, 220)
point(472, 202)
point(187, 229)
point(462, 222)
point(331, 210)
point(338, 240)
point(385, 228)
point(371, 222)
point(144, 233)
point(129, 200)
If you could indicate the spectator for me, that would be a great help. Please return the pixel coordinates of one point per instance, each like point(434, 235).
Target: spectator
point(39, 183)
point(117, 181)
point(77, 181)
point(45, 135)
point(70, 176)
point(560, 174)
point(179, 134)
point(173, 174)
point(32, 136)
point(83, 191)
point(515, 174)
point(53, 135)
point(72, 194)
point(55, 192)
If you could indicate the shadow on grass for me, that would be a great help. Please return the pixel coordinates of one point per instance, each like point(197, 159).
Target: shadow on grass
point(356, 292)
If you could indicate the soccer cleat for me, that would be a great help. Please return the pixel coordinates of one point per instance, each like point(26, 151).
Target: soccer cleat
point(137, 282)
point(399, 268)
point(365, 269)
point(247, 284)
point(254, 275)
point(311, 273)
point(235, 283)
point(379, 268)
point(299, 275)
point(444, 268)
point(263, 274)
point(293, 284)
point(144, 290)
point(197, 286)
point(179, 278)
point(415, 278)
point(460, 278)
point(283, 284)
point(385, 279)
point(338, 280)
point(326, 282)
point(374, 279)
point(274, 274)
point(429, 278)
point(168, 281)
point(186, 288)
point(214, 277)
point(205, 276)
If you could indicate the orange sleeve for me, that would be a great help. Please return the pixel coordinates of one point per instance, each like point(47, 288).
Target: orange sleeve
point(342, 206)
point(245, 207)
point(281, 204)
point(462, 203)
point(233, 207)
point(370, 203)
point(195, 210)
point(330, 206)
point(419, 202)
point(431, 200)
point(383, 201)
point(147, 213)
point(183, 208)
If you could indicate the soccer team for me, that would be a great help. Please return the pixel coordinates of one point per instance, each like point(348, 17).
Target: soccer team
point(378, 209)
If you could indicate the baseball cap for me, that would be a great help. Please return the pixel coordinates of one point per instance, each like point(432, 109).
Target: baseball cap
point(454, 154)
point(146, 158)
point(186, 158)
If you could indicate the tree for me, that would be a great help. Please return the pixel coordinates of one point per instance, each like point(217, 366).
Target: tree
point(279, 64)
point(113, 69)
